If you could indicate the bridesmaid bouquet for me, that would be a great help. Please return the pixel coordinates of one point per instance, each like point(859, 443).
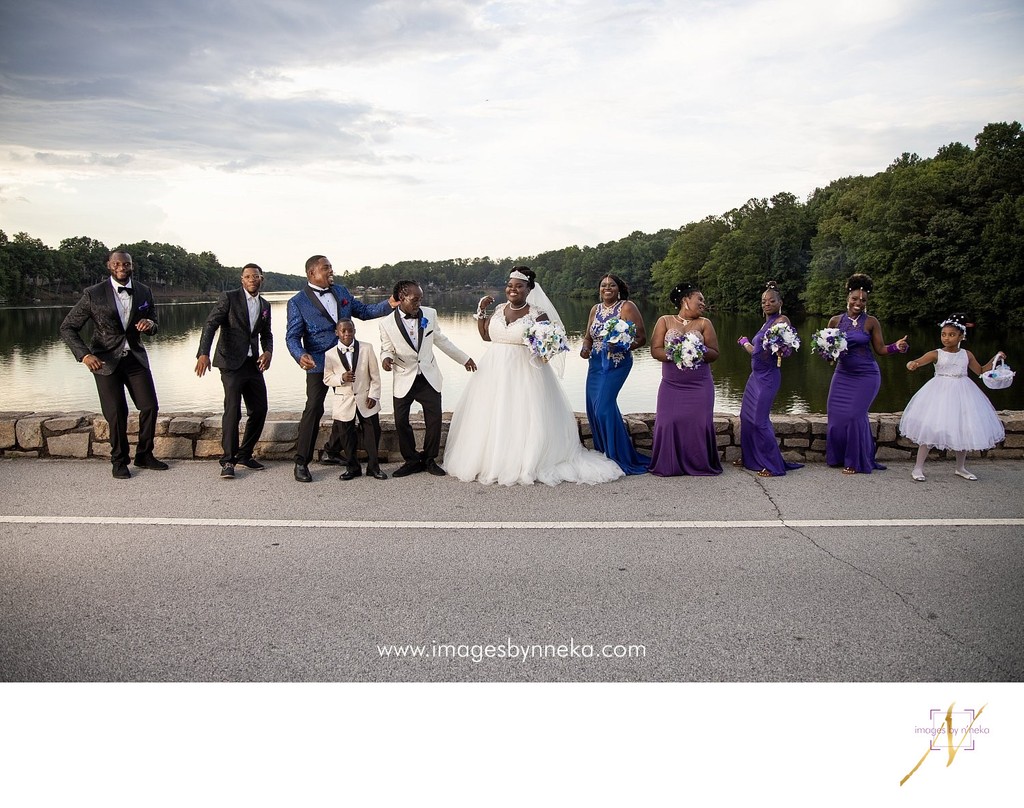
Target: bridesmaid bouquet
point(545, 340)
point(782, 340)
point(617, 331)
point(615, 337)
point(686, 350)
point(829, 343)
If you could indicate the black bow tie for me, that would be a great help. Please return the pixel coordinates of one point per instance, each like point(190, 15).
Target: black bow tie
point(321, 291)
point(414, 316)
point(126, 289)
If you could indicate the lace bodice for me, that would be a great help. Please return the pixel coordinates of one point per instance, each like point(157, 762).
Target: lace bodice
point(951, 364)
point(509, 333)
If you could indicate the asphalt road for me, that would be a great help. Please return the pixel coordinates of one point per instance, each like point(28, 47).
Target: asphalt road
point(179, 576)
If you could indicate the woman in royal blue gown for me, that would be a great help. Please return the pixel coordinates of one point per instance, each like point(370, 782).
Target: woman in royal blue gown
point(855, 383)
point(758, 446)
point(684, 426)
point(609, 366)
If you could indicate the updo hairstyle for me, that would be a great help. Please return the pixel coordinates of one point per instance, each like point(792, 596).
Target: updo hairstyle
point(860, 282)
point(680, 293)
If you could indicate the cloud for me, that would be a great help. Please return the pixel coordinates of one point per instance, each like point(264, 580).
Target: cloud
point(212, 80)
point(50, 159)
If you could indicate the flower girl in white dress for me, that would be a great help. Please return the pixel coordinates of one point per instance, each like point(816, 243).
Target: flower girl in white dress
point(514, 424)
point(950, 411)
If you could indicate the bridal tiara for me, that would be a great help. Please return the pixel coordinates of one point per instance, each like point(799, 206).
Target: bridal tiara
point(515, 273)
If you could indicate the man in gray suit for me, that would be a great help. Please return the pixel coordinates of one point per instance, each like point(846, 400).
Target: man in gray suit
point(121, 311)
point(243, 317)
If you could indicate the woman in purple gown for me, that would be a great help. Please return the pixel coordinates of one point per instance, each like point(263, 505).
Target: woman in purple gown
point(855, 383)
point(684, 426)
point(758, 447)
point(609, 367)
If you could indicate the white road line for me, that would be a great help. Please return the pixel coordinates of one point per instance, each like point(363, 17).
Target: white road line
point(312, 524)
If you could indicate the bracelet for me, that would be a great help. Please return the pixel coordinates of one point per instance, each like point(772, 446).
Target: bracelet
point(743, 341)
point(480, 315)
point(892, 348)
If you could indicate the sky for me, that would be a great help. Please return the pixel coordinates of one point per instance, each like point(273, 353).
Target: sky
point(376, 132)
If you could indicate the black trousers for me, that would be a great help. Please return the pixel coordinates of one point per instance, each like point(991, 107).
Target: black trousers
point(345, 433)
point(246, 383)
point(430, 400)
point(309, 426)
point(132, 376)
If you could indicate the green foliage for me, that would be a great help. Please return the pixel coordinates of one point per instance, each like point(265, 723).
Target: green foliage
point(29, 270)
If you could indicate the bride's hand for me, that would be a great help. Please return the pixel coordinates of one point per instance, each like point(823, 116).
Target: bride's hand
point(485, 302)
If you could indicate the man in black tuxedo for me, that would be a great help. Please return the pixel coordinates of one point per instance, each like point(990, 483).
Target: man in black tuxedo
point(243, 317)
point(121, 311)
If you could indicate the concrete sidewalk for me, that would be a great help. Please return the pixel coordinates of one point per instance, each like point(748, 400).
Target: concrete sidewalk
point(179, 576)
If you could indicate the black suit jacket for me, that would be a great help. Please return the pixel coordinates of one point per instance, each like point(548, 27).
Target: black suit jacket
point(231, 316)
point(108, 339)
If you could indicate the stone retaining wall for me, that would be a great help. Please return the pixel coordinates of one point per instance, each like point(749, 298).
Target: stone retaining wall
point(188, 436)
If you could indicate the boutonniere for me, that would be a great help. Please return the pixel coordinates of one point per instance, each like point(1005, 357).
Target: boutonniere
point(344, 301)
point(266, 314)
point(423, 322)
point(144, 305)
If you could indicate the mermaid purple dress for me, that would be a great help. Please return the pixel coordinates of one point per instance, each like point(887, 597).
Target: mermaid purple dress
point(758, 445)
point(855, 383)
point(684, 427)
point(606, 374)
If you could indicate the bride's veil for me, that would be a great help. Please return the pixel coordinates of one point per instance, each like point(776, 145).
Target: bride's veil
point(541, 303)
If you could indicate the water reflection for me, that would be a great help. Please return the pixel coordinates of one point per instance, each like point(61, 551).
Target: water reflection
point(38, 372)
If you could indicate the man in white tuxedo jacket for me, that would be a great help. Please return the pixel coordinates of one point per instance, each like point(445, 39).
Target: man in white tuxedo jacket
point(350, 368)
point(407, 340)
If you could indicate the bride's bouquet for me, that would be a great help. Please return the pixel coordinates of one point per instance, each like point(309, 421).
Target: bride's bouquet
point(686, 350)
point(782, 340)
point(829, 343)
point(545, 340)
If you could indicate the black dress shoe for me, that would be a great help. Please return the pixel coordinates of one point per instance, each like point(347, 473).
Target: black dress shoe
point(227, 471)
point(121, 472)
point(151, 463)
point(433, 468)
point(302, 474)
point(252, 463)
point(377, 475)
point(331, 459)
point(350, 474)
point(406, 469)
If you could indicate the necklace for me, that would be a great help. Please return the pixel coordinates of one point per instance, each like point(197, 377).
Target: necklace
point(518, 309)
point(683, 320)
point(853, 320)
point(606, 310)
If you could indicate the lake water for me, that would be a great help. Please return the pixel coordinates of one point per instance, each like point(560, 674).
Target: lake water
point(38, 372)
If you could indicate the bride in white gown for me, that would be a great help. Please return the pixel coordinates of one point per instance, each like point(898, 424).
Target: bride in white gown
point(514, 424)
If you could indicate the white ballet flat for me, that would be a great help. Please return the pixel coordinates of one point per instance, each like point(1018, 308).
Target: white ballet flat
point(917, 477)
point(965, 474)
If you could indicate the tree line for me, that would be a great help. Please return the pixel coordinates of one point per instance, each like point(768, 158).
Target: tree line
point(31, 271)
point(936, 234)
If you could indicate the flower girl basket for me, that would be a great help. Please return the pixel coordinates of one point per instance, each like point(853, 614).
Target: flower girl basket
point(1000, 377)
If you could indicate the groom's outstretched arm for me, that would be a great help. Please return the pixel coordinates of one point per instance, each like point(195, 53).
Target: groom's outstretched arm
point(451, 349)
